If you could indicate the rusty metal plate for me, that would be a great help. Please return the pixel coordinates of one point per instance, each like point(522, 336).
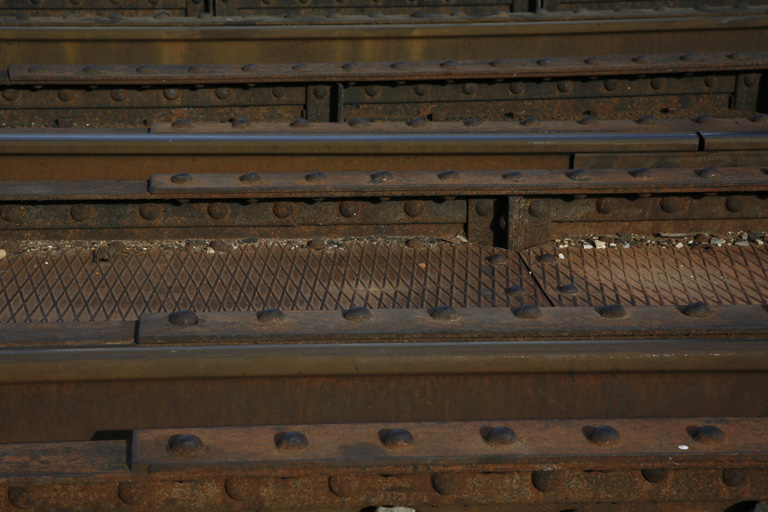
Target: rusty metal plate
point(70, 286)
point(652, 275)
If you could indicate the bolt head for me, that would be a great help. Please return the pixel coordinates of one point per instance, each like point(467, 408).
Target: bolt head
point(655, 476)
point(397, 438)
point(381, 177)
point(734, 477)
point(417, 122)
point(316, 177)
point(670, 204)
point(709, 435)
point(357, 122)
point(358, 314)
point(349, 209)
point(735, 203)
point(497, 259)
point(500, 436)
point(444, 314)
point(270, 316)
point(604, 436)
point(81, 212)
point(568, 289)
point(291, 441)
point(130, 493)
point(282, 210)
point(183, 317)
point(149, 211)
point(708, 172)
point(218, 211)
point(697, 310)
point(547, 480)
point(528, 312)
point(642, 173)
point(12, 212)
point(578, 175)
point(538, 208)
point(250, 177)
point(613, 311)
point(512, 176)
point(414, 208)
point(181, 178)
point(547, 258)
point(449, 176)
point(185, 445)
point(300, 123)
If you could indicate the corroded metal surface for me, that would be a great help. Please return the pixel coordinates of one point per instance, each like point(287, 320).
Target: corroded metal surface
point(648, 275)
point(70, 286)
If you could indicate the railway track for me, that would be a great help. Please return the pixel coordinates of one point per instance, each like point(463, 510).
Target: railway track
point(362, 255)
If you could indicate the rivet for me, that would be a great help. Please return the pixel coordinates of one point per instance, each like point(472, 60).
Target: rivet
point(182, 124)
point(223, 92)
point(641, 59)
point(318, 244)
point(282, 210)
point(750, 80)
point(473, 121)
point(512, 176)
point(544, 62)
point(420, 89)
point(65, 122)
point(10, 94)
point(657, 82)
point(417, 122)
point(449, 64)
point(498, 62)
point(670, 204)
point(646, 120)
point(35, 70)
point(65, 94)
point(22, 497)
point(218, 210)
point(349, 66)
point(738, 56)
point(414, 208)
point(250, 177)
point(604, 436)
point(449, 176)
point(500, 436)
point(613, 311)
point(118, 94)
point(397, 438)
point(448, 483)
point(610, 84)
point(358, 314)
point(241, 122)
point(316, 177)
point(414, 243)
point(144, 70)
point(528, 312)
point(469, 88)
point(547, 480)
point(219, 245)
point(292, 442)
point(538, 208)
point(734, 477)
point(689, 57)
point(516, 88)
point(708, 172)
point(643, 173)
point(92, 70)
point(181, 178)
point(418, 13)
point(593, 61)
point(710, 81)
point(198, 69)
point(708, 434)
point(381, 177)
point(349, 209)
point(568, 289)
point(705, 119)
point(183, 317)
point(444, 314)
point(320, 91)
point(606, 205)
point(547, 258)
point(357, 122)
point(130, 493)
point(564, 85)
point(81, 212)
point(116, 16)
point(530, 121)
point(655, 476)
point(588, 120)
point(371, 90)
point(149, 211)
point(278, 92)
point(12, 212)
point(484, 207)
point(735, 203)
point(162, 15)
point(185, 445)
point(300, 123)
point(250, 68)
point(760, 118)
point(578, 175)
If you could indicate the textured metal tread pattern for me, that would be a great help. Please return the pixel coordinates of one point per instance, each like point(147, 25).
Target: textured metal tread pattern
point(652, 275)
point(70, 286)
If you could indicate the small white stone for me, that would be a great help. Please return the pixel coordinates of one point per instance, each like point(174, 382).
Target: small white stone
point(759, 242)
point(3, 254)
point(716, 241)
point(588, 246)
point(210, 250)
point(679, 245)
point(625, 245)
point(742, 243)
point(561, 256)
point(599, 244)
point(612, 245)
point(394, 509)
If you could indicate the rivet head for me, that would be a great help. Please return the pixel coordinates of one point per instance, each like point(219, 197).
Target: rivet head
point(734, 477)
point(223, 92)
point(183, 317)
point(497, 259)
point(397, 438)
point(181, 124)
point(349, 209)
point(218, 210)
point(149, 211)
point(279, 92)
point(670, 204)
point(568, 289)
point(130, 493)
point(371, 90)
point(381, 177)
point(291, 441)
point(414, 208)
point(655, 476)
point(578, 175)
point(250, 177)
point(81, 212)
point(144, 70)
point(357, 122)
point(316, 177)
point(530, 121)
point(528, 312)
point(92, 70)
point(705, 119)
point(697, 310)
point(515, 291)
point(320, 91)
point(605, 205)
point(449, 176)
point(544, 62)
point(657, 82)
point(646, 120)
point(547, 258)
point(708, 172)
point(588, 120)
point(468, 88)
point(118, 94)
point(282, 209)
point(512, 176)
point(65, 94)
point(500, 436)
point(689, 57)
point(710, 81)
point(709, 435)
point(300, 123)
point(12, 212)
point(185, 445)
point(181, 178)
point(318, 244)
point(641, 59)
point(642, 173)
point(444, 314)
point(547, 480)
point(613, 311)
point(417, 122)
point(538, 208)
point(473, 121)
point(358, 314)
point(484, 207)
point(349, 66)
point(22, 497)
point(735, 203)
point(448, 483)
point(611, 84)
point(420, 89)
point(604, 436)
point(516, 87)
point(564, 86)
point(449, 64)
point(10, 94)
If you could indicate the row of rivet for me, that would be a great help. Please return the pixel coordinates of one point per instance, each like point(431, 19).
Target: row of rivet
point(361, 314)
